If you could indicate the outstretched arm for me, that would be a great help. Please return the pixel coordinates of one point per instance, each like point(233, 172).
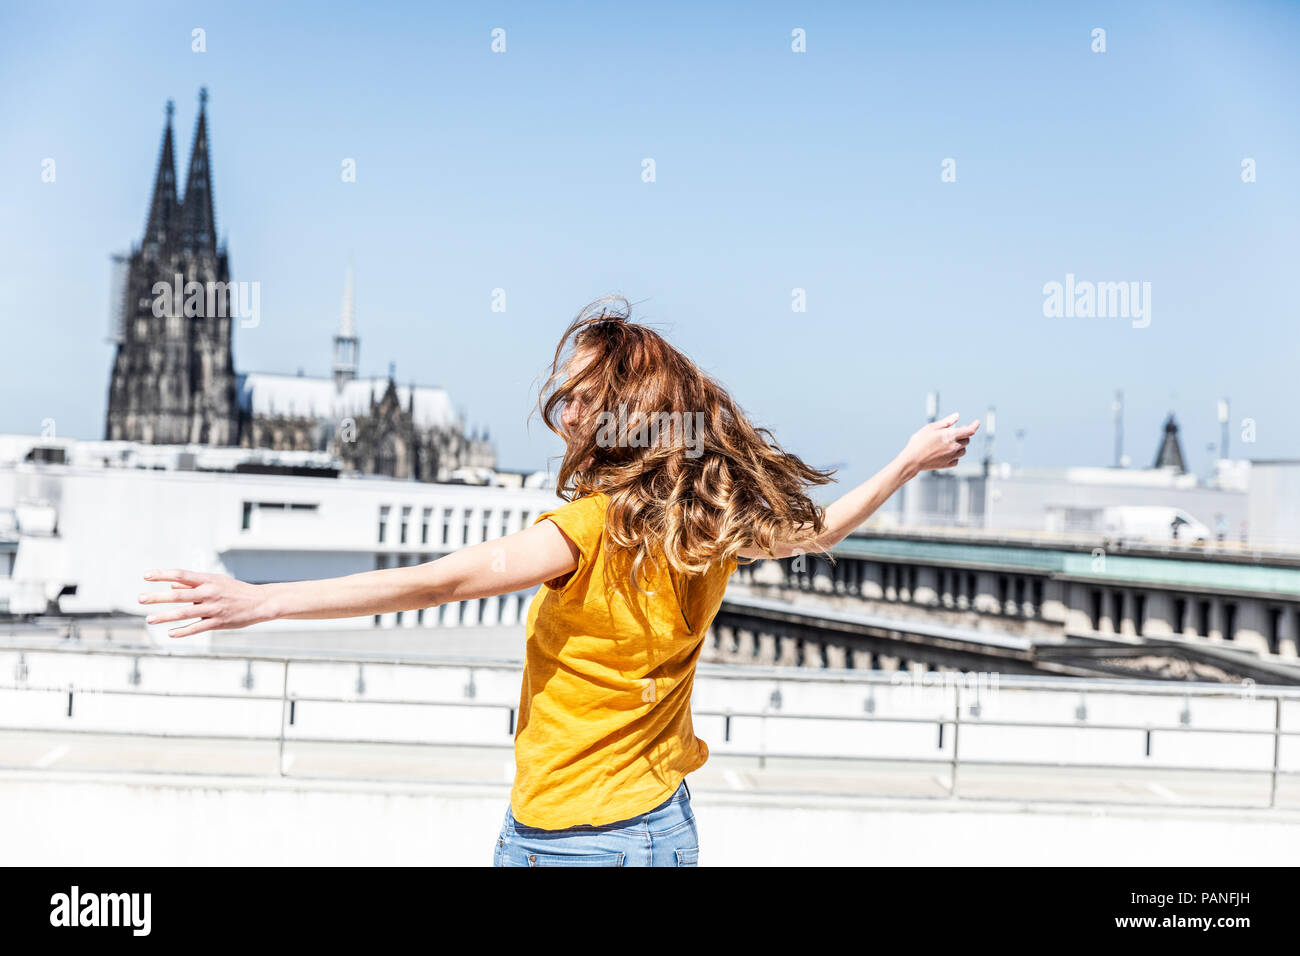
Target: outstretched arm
point(936, 445)
point(512, 563)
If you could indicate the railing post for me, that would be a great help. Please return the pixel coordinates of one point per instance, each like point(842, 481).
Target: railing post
point(1277, 749)
point(956, 738)
point(284, 713)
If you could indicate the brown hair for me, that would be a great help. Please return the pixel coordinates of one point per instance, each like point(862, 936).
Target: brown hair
point(697, 490)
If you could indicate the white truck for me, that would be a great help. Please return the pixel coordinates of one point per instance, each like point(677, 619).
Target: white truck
point(1154, 523)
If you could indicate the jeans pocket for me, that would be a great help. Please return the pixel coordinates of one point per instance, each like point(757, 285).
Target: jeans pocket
point(575, 859)
point(688, 856)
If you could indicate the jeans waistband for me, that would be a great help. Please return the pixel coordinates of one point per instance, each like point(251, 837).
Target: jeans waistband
point(674, 810)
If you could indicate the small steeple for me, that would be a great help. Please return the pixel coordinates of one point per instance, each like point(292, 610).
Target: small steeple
point(164, 208)
point(347, 347)
point(198, 220)
point(1170, 454)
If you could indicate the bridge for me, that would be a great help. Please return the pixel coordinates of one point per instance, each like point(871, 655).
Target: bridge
point(1022, 604)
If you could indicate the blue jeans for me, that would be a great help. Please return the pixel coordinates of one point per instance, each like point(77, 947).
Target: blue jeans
point(664, 836)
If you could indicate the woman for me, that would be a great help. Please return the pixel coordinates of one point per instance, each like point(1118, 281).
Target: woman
point(669, 487)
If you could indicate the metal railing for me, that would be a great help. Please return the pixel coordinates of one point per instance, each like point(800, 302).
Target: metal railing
point(949, 717)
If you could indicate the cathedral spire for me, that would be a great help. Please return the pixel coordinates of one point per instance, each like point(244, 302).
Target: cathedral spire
point(198, 221)
point(164, 207)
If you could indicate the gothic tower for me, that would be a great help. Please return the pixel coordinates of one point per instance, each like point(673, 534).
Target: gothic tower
point(173, 375)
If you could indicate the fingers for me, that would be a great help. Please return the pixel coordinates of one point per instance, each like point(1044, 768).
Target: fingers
point(953, 459)
point(196, 628)
point(190, 578)
point(177, 595)
point(946, 422)
point(180, 614)
point(959, 432)
point(184, 589)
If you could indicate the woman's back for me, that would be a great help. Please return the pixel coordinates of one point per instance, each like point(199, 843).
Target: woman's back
point(605, 729)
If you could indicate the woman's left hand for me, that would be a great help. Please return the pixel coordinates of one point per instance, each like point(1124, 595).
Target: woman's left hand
point(938, 445)
point(218, 601)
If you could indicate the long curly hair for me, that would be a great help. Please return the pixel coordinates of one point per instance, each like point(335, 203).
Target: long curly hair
point(687, 475)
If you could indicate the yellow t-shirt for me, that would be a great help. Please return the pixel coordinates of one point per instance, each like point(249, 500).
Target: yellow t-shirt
point(605, 729)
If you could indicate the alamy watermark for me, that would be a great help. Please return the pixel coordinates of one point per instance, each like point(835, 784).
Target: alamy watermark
point(102, 909)
point(193, 299)
point(647, 429)
point(931, 687)
point(1098, 300)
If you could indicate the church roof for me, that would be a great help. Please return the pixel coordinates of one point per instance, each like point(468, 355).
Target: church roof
point(265, 393)
point(1170, 453)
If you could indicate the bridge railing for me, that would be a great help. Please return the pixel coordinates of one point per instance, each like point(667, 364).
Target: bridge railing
point(80, 690)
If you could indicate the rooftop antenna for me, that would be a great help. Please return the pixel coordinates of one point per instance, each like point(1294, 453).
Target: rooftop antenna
point(1118, 408)
point(990, 430)
point(1223, 427)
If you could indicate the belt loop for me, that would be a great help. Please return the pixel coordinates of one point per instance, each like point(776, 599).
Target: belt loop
point(688, 788)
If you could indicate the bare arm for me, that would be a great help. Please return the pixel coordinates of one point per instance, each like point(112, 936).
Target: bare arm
point(512, 563)
point(937, 445)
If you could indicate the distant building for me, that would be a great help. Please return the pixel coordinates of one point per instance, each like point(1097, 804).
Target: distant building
point(81, 520)
point(174, 380)
point(1098, 501)
point(1274, 514)
point(372, 425)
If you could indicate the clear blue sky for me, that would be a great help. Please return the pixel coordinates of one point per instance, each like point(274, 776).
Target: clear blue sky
point(775, 170)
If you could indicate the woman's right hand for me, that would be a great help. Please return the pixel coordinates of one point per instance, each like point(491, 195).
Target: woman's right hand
point(940, 444)
point(219, 601)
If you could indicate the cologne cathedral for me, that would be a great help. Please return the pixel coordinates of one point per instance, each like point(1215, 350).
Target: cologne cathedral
point(174, 379)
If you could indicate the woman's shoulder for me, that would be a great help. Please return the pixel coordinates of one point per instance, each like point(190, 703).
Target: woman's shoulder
point(582, 519)
point(594, 503)
point(591, 506)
